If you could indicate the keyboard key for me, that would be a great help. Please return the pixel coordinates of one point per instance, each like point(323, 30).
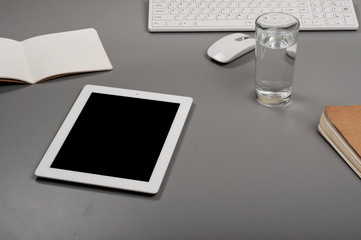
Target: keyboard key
point(317, 22)
point(346, 10)
point(173, 24)
point(160, 5)
point(306, 22)
point(250, 24)
point(160, 12)
point(349, 19)
point(163, 17)
point(340, 22)
point(220, 23)
point(158, 24)
point(187, 24)
point(318, 16)
point(306, 16)
point(329, 22)
point(291, 10)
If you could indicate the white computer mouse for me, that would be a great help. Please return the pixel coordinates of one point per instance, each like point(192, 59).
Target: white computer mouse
point(231, 47)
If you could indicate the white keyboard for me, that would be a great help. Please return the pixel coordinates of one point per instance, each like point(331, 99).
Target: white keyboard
point(240, 15)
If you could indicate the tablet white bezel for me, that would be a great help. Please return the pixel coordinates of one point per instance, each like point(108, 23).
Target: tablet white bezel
point(44, 169)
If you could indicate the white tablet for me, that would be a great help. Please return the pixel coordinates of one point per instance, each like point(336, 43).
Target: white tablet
point(117, 138)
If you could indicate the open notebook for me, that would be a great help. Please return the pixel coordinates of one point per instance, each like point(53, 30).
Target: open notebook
point(52, 55)
point(341, 127)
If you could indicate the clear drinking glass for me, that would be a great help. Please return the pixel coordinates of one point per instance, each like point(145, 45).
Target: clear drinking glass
point(276, 46)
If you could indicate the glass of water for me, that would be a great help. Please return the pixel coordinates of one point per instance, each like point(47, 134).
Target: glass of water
point(276, 46)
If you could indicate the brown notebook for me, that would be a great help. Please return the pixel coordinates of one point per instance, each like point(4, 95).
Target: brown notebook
point(341, 127)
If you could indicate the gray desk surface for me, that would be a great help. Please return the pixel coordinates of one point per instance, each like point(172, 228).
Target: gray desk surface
point(240, 170)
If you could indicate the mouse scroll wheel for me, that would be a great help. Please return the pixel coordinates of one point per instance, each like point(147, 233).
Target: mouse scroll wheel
point(241, 38)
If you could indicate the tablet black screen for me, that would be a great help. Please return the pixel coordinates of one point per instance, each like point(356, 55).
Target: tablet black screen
point(117, 136)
